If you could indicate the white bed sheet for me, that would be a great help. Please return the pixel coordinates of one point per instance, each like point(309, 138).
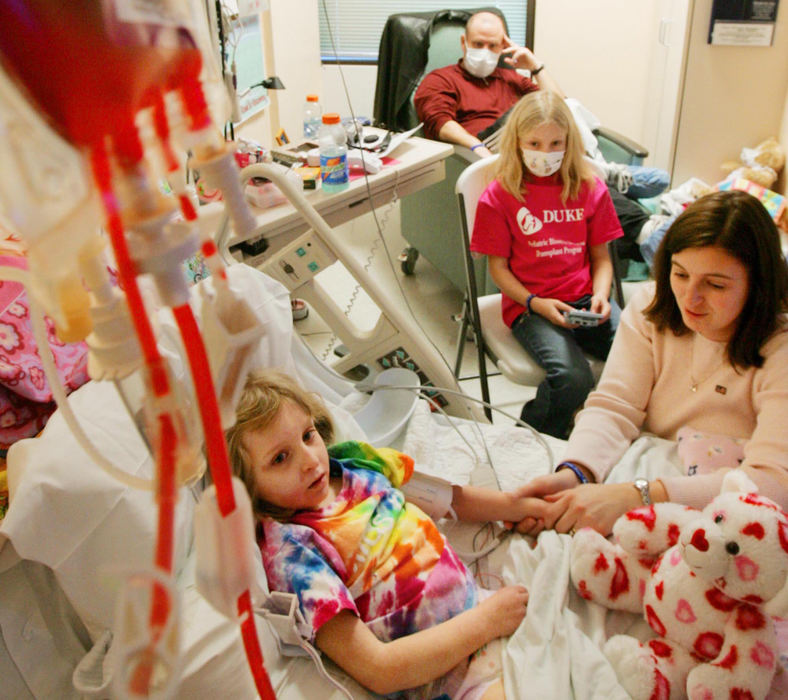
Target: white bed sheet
point(556, 652)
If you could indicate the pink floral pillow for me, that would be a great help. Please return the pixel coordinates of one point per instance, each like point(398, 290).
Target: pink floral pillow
point(25, 397)
point(703, 453)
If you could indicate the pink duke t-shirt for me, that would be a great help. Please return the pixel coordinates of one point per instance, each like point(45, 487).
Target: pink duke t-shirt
point(545, 239)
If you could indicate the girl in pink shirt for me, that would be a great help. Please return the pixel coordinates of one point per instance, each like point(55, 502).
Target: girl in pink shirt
point(544, 223)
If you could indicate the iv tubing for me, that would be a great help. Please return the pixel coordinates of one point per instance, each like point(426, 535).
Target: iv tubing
point(203, 382)
point(251, 643)
point(127, 273)
point(160, 385)
point(215, 446)
point(162, 129)
point(14, 274)
point(167, 496)
point(160, 605)
point(219, 463)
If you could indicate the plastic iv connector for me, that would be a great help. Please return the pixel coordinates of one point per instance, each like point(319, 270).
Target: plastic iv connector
point(225, 549)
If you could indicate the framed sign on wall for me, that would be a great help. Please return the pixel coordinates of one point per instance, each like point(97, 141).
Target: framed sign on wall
point(743, 22)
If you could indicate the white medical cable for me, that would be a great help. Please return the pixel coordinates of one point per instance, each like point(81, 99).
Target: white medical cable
point(369, 195)
point(14, 274)
point(518, 421)
point(474, 556)
point(437, 407)
point(361, 386)
point(315, 656)
point(310, 650)
point(423, 389)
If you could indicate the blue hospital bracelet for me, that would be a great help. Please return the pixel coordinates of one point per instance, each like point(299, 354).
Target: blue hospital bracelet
point(577, 470)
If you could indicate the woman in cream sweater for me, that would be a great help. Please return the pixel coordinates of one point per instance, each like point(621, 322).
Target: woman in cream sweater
point(703, 347)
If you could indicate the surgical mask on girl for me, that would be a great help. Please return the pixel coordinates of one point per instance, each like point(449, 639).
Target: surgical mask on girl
point(542, 163)
point(480, 62)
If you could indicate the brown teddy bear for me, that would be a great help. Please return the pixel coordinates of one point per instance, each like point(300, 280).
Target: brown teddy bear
point(761, 164)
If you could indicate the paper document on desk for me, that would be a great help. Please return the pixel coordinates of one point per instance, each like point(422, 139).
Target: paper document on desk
point(397, 139)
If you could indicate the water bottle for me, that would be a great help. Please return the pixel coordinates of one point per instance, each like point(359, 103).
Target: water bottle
point(312, 114)
point(332, 141)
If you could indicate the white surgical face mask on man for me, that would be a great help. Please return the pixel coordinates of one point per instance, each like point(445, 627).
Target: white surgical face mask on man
point(480, 62)
point(542, 163)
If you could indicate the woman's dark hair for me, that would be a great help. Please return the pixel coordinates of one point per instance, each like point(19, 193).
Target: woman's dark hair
point(739, 224)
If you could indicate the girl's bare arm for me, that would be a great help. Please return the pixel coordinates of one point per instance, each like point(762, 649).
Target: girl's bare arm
point(551, 309)
point(411, 661)
point(478, 504)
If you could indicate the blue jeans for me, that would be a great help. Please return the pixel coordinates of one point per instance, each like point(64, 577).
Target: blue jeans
point(559, 351)
point(647, 181)
point(648, 248)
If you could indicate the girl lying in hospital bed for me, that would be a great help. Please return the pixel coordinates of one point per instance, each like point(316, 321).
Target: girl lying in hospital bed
point(703, 352)
point(386, 596)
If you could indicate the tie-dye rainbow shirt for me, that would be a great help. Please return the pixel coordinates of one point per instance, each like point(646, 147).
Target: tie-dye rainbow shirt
point(369, 551)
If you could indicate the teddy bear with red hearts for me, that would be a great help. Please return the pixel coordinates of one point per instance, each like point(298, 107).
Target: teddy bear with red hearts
point(708, 583)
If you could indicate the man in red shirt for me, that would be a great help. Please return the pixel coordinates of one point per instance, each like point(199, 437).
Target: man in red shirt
point(459, 101)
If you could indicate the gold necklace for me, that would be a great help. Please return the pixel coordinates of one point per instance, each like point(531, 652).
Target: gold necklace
point(695, 383)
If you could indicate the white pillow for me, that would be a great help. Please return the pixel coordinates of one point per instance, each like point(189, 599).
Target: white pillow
point(69, 515)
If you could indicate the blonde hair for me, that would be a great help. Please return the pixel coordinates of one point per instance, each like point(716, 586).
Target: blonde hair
point(530, 112)
point(261, 400)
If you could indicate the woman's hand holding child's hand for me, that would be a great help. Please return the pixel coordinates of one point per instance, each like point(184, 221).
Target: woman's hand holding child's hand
point(528, 509)
point(503, 611)
point(593, 505)
point(542, 512)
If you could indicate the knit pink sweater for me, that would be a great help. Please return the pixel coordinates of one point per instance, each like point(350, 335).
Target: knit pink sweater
point(647, 384)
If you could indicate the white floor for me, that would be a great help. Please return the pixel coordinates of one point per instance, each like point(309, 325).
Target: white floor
point(434, 303)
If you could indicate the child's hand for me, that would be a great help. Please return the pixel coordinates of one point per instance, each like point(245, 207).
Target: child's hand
point(526, 509)
point(600, 305)
point(504, 610)
point(552, 310)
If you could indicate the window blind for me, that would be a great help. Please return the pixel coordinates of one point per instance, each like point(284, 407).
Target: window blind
point(356, 25)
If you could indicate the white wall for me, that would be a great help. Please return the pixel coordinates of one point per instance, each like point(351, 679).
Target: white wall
point(292, 52)
point(734, 96)
point(599, 52)
point(782, 182)
point(360, 81)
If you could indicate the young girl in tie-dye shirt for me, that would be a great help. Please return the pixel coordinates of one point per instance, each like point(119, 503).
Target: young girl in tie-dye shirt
point(384, 593)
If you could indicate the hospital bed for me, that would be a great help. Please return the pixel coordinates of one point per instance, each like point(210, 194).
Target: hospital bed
point(74, 537)
point(72, 533)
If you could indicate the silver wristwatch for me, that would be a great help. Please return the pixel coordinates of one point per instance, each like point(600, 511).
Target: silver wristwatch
point(645, 494)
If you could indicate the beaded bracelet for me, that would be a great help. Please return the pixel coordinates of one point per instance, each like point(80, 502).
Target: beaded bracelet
point(577, 470)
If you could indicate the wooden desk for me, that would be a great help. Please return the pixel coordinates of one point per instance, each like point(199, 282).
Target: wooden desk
point(420, 163)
